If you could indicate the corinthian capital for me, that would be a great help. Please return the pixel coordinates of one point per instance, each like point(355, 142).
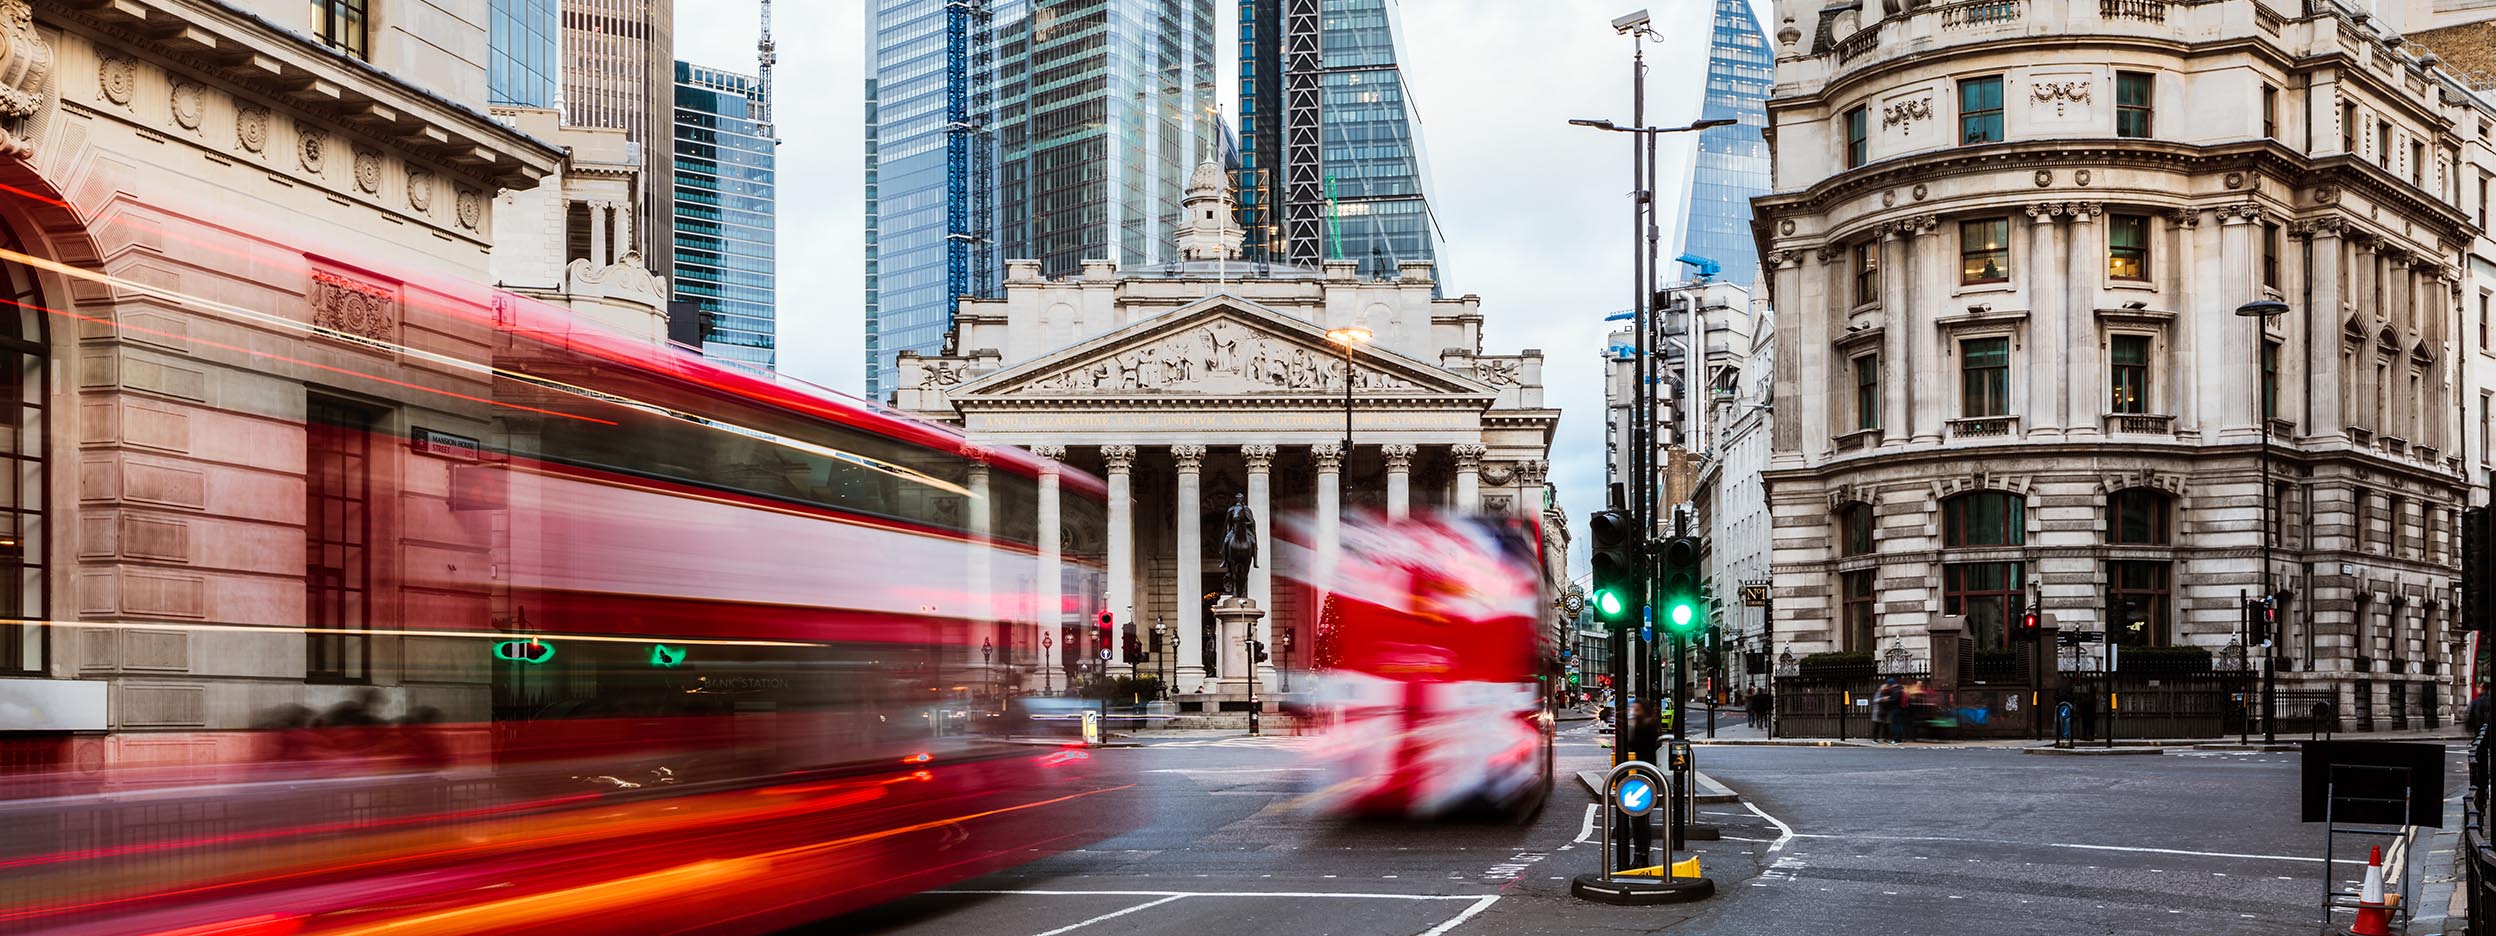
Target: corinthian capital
point(1399, 457)
point(1469, 454)
point(1118, 458)
point(1050, 452)
point(1327, 455)
point(1260, 456)
point(1189, 455)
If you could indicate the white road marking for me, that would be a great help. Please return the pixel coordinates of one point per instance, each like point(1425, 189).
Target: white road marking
point(1785, 833)
point(1166, 893)
point(2198, 854)
point(1586, 830)
point(1478, 906)
point(1110, 915)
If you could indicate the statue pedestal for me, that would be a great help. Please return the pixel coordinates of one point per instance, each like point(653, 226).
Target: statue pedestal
point(1237, 619)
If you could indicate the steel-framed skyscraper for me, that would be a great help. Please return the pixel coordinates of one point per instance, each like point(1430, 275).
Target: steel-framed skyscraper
point(725, 214)
point(1052, 130)
point(1732, 165)
point(1331, 158)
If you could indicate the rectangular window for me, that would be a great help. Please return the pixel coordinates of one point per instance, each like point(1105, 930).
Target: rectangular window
point(2132, 97)
point(2418, 164)
point(2383, 143)
point(2348, 128)
point(1857, 520)
point(339, 24)
point(2383, 388)
point(1985, 377)
point(1988, 593)
point(1980, 110)
point(2270, 378)
point(1868, 391)
point(2139, 593)
point(2270, 112)
point(2483, 321)
point(2483, 180)
point(2487, 452)
point(1868, 272)
point(1858, 136)
point(2127, 247)
point(2131, 373)
point(2270, 254)
point(1860, 596)
point(337, 526)
point(1985, 251)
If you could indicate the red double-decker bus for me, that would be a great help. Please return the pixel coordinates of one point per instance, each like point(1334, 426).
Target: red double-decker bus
point(671, 647)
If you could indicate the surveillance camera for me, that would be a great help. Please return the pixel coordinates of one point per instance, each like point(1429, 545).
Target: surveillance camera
point(1631, 22)
point(1980, 308)
point(2136, 305)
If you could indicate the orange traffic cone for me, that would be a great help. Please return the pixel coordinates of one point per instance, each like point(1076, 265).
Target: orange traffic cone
point(2374, 917)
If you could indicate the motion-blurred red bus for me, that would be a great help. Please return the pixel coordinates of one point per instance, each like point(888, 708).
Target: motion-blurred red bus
point(671, 647)
point(1431, 658)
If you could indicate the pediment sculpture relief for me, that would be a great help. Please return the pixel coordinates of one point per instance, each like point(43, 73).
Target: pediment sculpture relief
point(1219, 357)
point(25, 72)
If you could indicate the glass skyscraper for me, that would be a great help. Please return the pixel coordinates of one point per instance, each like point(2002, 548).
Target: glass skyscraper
point(521, 68)
point(724, 214)
point(1357, 189)
point(1049, 130)
point(1732, 163)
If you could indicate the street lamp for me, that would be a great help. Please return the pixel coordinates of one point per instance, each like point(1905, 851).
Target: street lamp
point(1166, 650)
point(2261, 311)
point(1349, 336)
point(987, 659)
point(1048, 684)
point(1600, 124)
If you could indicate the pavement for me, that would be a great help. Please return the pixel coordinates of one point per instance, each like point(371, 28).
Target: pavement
point(1927, 839)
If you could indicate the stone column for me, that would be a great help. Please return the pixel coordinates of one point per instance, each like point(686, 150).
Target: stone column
point(1530, 475)
point(980, 609)
point(2184, 378)
point(2237, 243)
point(2326, 385)
point(1120, 460)
point(1897, 372)
point(2084, 364)
point(1931, 270)
point(1191, 585)
point(1049, 598)
point(1260, 458)
point(1469, 476)
point(1399, 479)
point(1328, 456)
point(598, 234)
point(2049, 329)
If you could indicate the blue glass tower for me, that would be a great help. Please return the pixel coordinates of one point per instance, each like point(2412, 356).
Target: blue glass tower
point(1049, 130)
point(520, 67)
point(1356, 188)
point(1732, 164)
point(725, 211)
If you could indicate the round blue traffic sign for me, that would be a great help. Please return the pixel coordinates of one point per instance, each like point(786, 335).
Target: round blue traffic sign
point(1635, 796)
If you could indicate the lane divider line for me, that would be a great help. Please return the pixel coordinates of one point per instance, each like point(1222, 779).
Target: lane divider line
point(1166, 893)
point(1112, 915)
point(1785, 833)
point(1478, 906)
point(1586, 830)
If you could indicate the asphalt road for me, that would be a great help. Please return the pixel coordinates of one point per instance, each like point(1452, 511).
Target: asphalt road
point(1919, 840)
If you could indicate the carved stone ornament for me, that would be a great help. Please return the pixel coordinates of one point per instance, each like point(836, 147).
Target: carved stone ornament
point(309, 146)
point(1328, 456)
point(939, 373)
point(189, 100)
point(354, 308)
point(1188, 456)
point(420, 190)
point(25, 69)
point(1469, 454)
point(1260, 455)
point(1889, 198)
point(118, 75)
point(368, 170)
point(2059, 93)
point(1498, 473)
point(471, 208)
point(2080, 177)
point(1498, 503)
point(2185, 217)
point(1786, 227)
point(1917, 192)
point(1779, 258)
point(1220, 357)
point(1118, 458)
point(2326, 194)
point(1399, 456)
point(2234, 180)
point(251, 128)
point(1050, 452)
point(1500, 372)
point(2045, 177)
point(1906, 112)
point(1533, 471)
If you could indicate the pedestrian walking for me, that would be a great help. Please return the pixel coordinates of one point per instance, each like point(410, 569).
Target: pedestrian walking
point(1888, 723)
point(1757, 707)
point(1644, 736)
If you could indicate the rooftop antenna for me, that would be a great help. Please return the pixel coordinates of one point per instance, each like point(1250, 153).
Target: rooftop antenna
point(765, 53)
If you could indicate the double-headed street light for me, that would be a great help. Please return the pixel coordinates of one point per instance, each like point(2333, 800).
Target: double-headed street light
point(1616, 128)
point(2261, 311)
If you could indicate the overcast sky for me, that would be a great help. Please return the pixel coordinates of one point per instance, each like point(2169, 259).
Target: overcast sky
point(1535, 212)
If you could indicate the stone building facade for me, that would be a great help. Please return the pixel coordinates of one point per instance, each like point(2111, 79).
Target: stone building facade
point(231, 230)
point(2008, 241)
point(1199, 383)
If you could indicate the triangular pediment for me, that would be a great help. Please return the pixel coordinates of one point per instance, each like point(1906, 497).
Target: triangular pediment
point(1221, 346)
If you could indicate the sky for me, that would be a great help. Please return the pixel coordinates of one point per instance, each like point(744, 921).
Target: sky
point(1535, 213)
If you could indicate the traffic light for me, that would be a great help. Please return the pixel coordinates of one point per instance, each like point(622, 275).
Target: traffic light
point(1256, 650)
point(1133, 650)
point(1616, 595)
point(2028, 629)
point(1677, 592)
point(2476, 568)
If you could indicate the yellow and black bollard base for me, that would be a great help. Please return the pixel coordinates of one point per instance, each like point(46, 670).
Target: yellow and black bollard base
point(1681, 883)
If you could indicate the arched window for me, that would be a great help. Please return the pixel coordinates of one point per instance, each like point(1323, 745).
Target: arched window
point(24, 484)
point(1984, 518)
point(2138, 517)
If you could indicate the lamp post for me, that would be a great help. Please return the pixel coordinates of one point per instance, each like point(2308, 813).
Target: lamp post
point(2261, 311)
point(1048, 685)
point(987, 660)
point(1348, 336)
point(1163, 648)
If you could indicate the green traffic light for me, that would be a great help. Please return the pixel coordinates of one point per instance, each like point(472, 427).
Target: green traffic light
point(1680, 615)
point(1608, 603)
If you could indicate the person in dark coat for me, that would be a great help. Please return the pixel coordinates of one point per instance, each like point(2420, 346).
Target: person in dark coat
point(1644, 735)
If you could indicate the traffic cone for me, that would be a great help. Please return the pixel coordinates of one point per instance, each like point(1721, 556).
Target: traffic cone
point(2374, 917)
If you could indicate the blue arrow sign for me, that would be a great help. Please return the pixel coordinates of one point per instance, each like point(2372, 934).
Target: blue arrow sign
point(1636, 796)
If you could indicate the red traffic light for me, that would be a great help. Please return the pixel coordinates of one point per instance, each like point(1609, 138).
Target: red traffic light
point(2028, 623)
point(1106, 619)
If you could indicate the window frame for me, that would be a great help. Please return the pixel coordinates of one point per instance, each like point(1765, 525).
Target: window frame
point(2270, 254)
point(2143, 111)
point(2154, 599)
point(1859, 604)
point(1867, 272)
point(1858, 130)
point(1989, 118)
point(2153, 509)
point(1854, 530)
point(2270, 377)
point(1997, 376)
point(26, 649)
point(2270, 111)
point(2116, 253)
point(2134, 375)
point(1867, 368)
point(1956, 518)
point(1990, 630)
point(1998, 257)
point(344, 25)
point(332, 603)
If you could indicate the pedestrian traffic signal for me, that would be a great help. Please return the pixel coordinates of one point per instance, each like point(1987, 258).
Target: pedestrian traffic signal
point(1256, 650)
point(1678, 589)
point(1616, 595)
point(1134, 650)
point(2028, 629)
